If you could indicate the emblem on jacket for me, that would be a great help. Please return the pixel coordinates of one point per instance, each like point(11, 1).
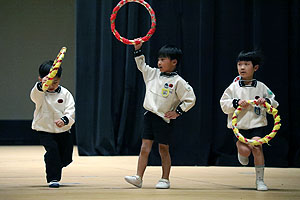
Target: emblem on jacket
point(60, 101)
point(257, 110)
point(165, 91)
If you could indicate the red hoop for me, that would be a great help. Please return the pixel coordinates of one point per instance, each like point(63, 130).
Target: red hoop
point(114, 15)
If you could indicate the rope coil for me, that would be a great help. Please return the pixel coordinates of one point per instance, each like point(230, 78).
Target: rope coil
point(271, 110)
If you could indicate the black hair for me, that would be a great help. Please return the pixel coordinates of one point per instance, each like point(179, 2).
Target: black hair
point(255, 57)
point(170, 51)
point(45, 69)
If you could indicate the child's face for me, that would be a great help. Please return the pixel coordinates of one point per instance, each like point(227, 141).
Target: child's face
point(54, 85)
point(166, 64)
point(246, 69)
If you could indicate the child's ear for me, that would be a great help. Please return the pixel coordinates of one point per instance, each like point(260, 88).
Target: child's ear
point(256, 67)
point(174, 61)
point(40, 79)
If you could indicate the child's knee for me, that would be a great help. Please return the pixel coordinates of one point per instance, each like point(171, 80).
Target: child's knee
point(146, 146)
point(257, 148)
point(163, 149)
point(244, 152)
point(145, 149)
point(243, 149)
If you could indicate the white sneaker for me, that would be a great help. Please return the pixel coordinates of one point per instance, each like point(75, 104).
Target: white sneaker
point(54, 184)
point(243, 160)
point(261, 186)
point(134, 180)
point(163, 184)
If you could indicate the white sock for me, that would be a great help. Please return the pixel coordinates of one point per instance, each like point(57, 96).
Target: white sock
point(259, 169)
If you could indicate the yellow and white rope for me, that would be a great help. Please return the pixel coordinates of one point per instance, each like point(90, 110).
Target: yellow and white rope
point(271, 110)
point(53, 71)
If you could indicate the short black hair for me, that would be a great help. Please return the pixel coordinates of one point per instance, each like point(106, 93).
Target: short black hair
point(255, 57)
point(45, 69)
point(170, 51)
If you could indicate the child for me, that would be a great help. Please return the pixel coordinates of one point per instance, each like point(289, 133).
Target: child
point(167, 97)
point(53, 118)
point(252, 119)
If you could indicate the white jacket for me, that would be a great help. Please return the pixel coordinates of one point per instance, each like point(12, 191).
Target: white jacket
point(164, 93)
point(50, 107)
point(248, 118)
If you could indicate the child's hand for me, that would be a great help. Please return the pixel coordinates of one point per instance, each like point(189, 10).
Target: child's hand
point(44, 79)
point(243, 103)
point(171, 115)
point(59, 123)
point(139, 44)
point(261, 100)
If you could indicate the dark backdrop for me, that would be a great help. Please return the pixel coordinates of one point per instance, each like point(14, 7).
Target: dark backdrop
point(211, 33)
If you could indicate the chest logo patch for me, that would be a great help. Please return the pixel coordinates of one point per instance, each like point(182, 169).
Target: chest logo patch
point(165, 92)
point(60, 101)
point(257, 110)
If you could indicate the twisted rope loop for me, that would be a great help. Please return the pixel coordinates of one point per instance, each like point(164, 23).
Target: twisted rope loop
point(271, 110)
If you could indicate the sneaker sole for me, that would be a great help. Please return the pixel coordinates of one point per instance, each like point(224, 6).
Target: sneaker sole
point(136, 185)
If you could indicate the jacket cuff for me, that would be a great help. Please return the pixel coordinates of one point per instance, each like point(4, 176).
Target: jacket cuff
point(268, 100)
point(65, 120)
point(137, 53)
point(39, 86)
point(179, 110)
point(235, 103)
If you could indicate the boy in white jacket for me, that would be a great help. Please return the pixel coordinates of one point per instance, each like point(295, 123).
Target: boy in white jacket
point(167, 97)
point(53, 118)
point(252, 120)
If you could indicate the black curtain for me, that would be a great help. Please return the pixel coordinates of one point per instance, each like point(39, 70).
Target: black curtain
point(110, 90)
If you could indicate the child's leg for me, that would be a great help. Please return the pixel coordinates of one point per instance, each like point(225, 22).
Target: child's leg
point(244, 152)
point(137, 180)
point(65, 142)
point(165, 160)
point(258, 154)
point(143, 157)
point(259, 163)
point(164, 182)
point(51, 157)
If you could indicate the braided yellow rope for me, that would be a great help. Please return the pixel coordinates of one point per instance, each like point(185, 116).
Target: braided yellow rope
point(267, 138)
point(53, 71)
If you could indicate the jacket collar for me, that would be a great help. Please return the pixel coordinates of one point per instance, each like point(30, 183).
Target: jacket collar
point(168, 74)
point(253, 83)
point(57, 90)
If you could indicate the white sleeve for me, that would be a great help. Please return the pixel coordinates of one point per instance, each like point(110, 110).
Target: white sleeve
point(148, 72)
point(226, 101)
point(70, 109)
point(271, 96)
point(186, 95)
point(37, 96)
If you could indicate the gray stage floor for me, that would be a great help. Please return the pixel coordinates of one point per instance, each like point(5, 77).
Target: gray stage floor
point(22, 177)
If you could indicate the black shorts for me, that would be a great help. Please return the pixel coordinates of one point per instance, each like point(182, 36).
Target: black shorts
point(155, 128)
point(254, 132)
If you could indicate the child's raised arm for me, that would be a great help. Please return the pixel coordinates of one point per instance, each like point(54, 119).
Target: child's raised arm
point(138, 44)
